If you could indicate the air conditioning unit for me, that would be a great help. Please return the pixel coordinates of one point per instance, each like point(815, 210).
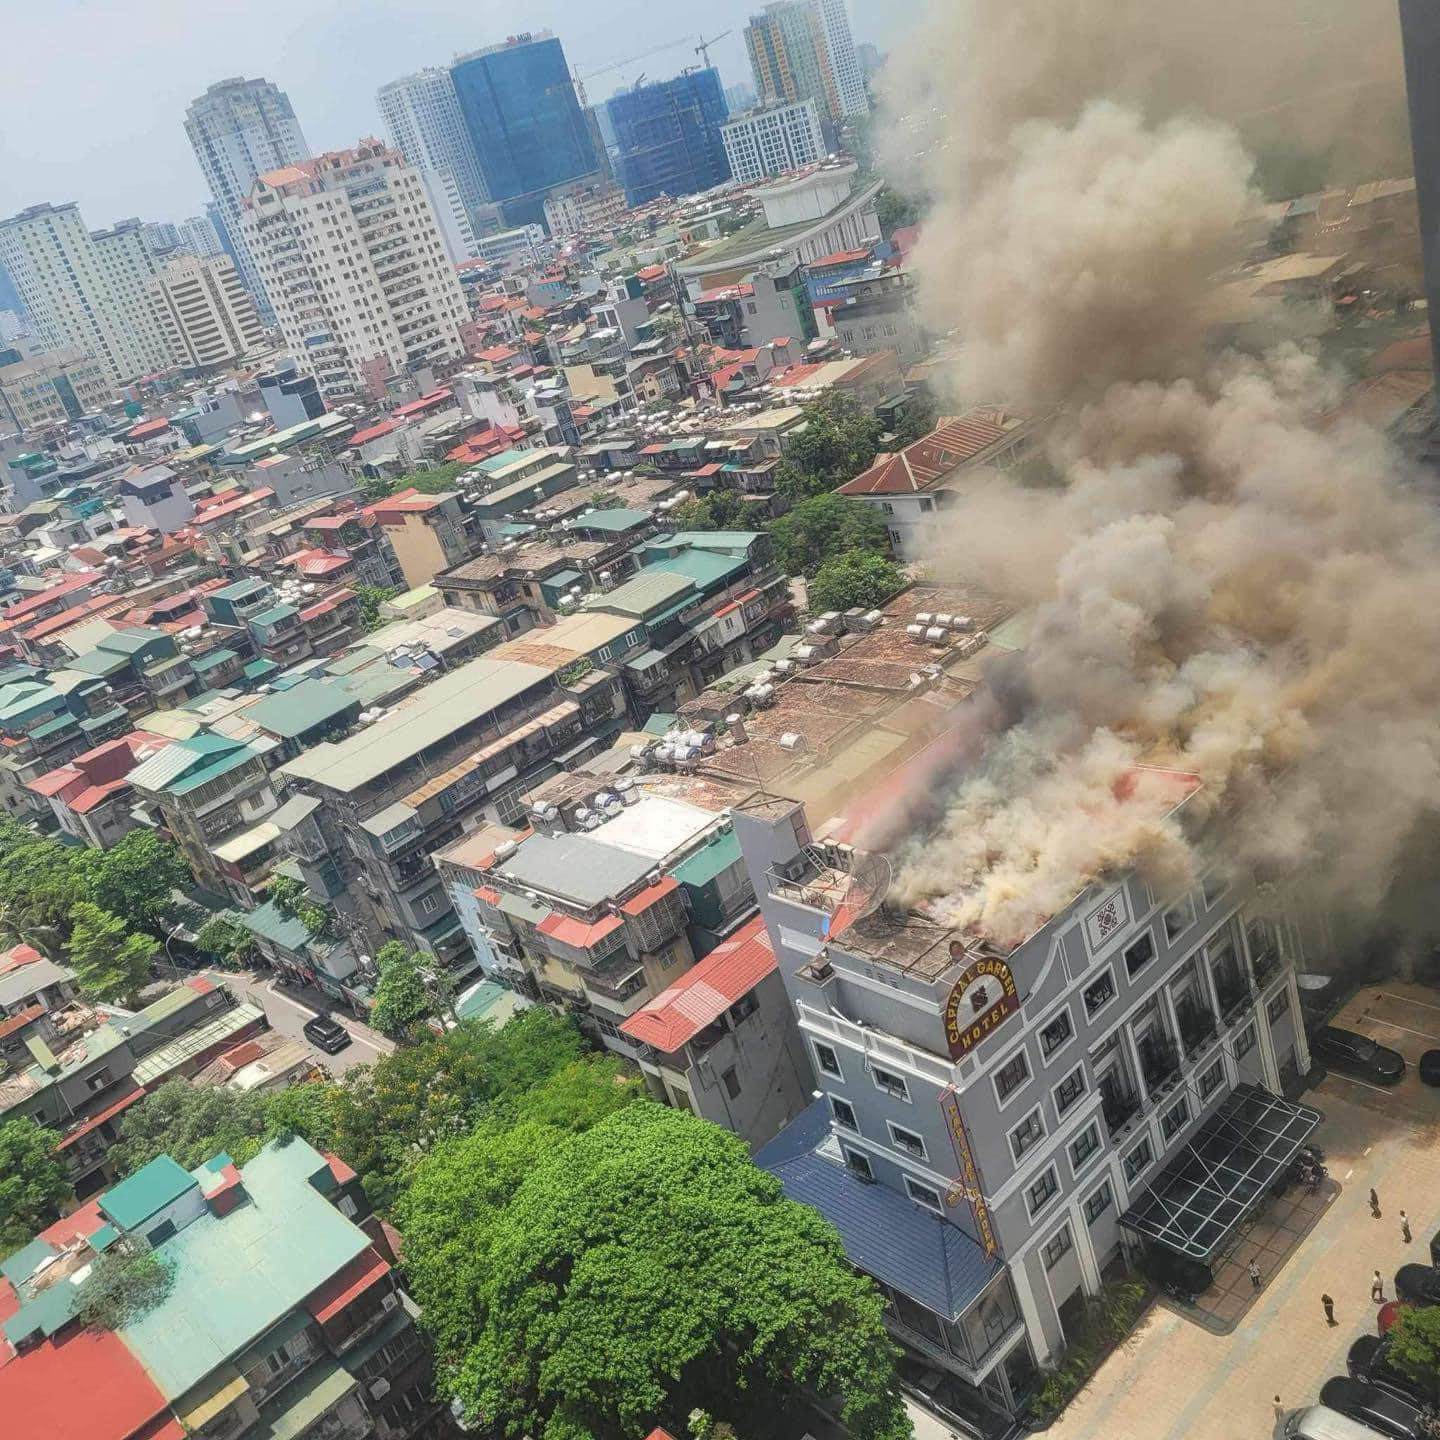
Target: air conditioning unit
point(390, 1301)
point(379, 1389)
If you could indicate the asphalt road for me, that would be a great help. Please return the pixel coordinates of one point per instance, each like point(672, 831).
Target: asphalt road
point(287, 1014)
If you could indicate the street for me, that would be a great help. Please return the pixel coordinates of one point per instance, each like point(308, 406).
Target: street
point(287, 1015)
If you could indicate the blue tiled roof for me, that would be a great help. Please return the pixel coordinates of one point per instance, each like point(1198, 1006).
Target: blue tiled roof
point(884, 1233)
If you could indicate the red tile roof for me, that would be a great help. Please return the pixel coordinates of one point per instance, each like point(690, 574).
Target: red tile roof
point(841, 257)
point(435, 400)
point(376, 432)
point(17, 956)
point(20, 1020)
point(650, 272)
point(148, 429)
point(728, 292)
point(368, 1267)
point(702, 995)
point(230, 507)
point(570, 931)
point(642, 900)
point(954, 442)
point(93, 1122)
point(316, 563)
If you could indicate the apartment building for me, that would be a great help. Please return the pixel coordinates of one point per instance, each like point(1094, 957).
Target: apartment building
point(1020, 1120)
point(844, 61)
point(86, 292)
point(667, 136)
point(421, 113)
point(240, 129)
point(51, 388)
point(349, 250)
point(206, 315)
point(790, 58)
point(462, 750)
point(284, 1316)
point(426, 532)
point(82, 1068)
point(773, 140)
point(89, 797)
point(584, 208)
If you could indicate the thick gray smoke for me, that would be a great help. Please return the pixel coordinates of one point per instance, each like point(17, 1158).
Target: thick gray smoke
point(1224, 585)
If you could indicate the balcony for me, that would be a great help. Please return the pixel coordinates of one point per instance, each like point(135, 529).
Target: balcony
point(1265, 962)
point(1233, 995)
point(1159, 1063)
point(1197, 1026)
point(1119, 1109)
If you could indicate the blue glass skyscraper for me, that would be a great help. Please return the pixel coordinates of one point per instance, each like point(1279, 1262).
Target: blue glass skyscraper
point(667, 136)
point(524, 122)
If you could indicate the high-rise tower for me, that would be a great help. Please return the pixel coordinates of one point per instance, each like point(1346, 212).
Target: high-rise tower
point(241, 129)
point(1420, 32)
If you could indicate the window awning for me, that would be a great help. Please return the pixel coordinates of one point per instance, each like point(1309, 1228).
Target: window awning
point(1222, 1173)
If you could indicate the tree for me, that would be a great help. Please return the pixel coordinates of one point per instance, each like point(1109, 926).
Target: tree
point(402, 1002)
point(295, 902)
point(390, 1113)
point(227, 940)
point(596, 1283)
point(306, 1110)
point(858, 578)
point(109, 962)
point(38, 886)
point(917, 420)
point(32, 1181)
point(895, 210)
point(1415, 1346)
point(190, 1123)
point(135, 878)
point(372, 597)
point(838, 442)
point(719, 510)
point(126, 1282)
point(823, 526)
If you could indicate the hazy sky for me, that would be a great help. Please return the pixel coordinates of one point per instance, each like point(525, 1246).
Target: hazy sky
point(93, 94)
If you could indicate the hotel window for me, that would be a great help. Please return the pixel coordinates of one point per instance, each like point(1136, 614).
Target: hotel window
point(1210, 1080)
point(1140, 954)
point(1012, 1075)
point(1174, 1119)
point(860, 1164)
point(1179, 918)
point(1069, 1090)
point(1098, 1203)
point(1042, 1192)
point(890, 1083)
point(1245, 1042)
point(1279, 1006)
point(1057, 1248)
point(1056, 1033)
point(1138, 1161)
point(908, 1141)
point(844, 1113)
point(1099, 993)
point(1083, 1147)
point(1030, 1130)
point(926, 1195)
point(827, 1061)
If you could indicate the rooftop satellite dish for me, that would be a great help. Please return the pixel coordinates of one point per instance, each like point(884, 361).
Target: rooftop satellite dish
point(870, 876)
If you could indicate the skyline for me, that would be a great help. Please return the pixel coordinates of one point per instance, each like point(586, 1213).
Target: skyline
point(329, 60)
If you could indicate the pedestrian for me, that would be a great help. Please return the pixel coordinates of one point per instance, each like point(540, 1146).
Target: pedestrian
point(1254, 1274)
point(1279, 1411)
point(1374, 1204)
point(1405, 1227)
point(1329, 1305)
point(1377, 1289)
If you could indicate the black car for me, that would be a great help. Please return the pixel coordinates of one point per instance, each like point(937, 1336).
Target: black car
point(1358, 1055)
point(326, 1033)
point(1418, 1283)
point(1369, 1360)
point(1383, 1412)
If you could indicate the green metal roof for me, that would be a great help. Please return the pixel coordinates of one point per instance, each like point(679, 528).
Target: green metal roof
point(54, 725)
point(269, 924)
point(273, 615)
point(239, 1274)
point(241, 590)
point(300, 709)
point(709, 571)
point(205, 663)
point(710, 860)
point(159, 1064)
point(260, 669)
point(26, 1261)
point(614, 522)
point(644, 594)
point(659, 723)
point(148, 1190)
point(487, 1001)
point(220, 766)
point(302, 1402)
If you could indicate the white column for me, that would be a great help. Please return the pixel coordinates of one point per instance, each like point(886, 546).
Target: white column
point(1020, 1279)
point(1085, 1249)
point(1268, 1063)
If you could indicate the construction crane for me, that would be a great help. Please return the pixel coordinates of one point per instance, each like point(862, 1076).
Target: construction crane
point(620, 65)
point(703, 48)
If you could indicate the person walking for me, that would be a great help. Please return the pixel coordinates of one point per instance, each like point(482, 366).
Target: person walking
point(1279, 1411)
point(1329, 1305)
point(1405, 1227)
point(1254, 1274)
point(1374, 1204)
point(1377, 1289)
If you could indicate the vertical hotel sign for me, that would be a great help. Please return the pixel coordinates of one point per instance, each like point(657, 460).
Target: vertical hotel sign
point(967, 1184)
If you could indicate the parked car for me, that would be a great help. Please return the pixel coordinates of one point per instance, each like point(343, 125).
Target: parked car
point(1420, 1283)
point(1320, 1422)
point(1358, 1055)
point(1369, 1360)
point(328, 1034)
point(1430, 1067)
point(1383, 1412)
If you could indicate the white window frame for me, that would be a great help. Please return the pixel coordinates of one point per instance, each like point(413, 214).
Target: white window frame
point(851, 1155)
point(1143, 1143)
point(1217, 1069)
point(1034, 1210)
point(1069, 1105)
point(1147, 934)
point(841, 1100)
point(1169, 1135)
point(816, 1046)
point(1078, 1168)
point(1187, 901)
point(902, 1094)
point(1046, 1056)
point(1037, 1113)
point(1090, 1199)
point(922, 1154)
point(1065, 1233)
point(912, 1184)
point(1003, 1102)
point(1089, 982)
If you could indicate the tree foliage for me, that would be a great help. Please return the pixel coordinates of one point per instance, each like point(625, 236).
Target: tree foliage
point(403, 1003)
point(838, 442)
point(109, 962)
point(823, 526)
point(228, 941)
point(372, 597)
point(32, 1181)
point(135, 878)
point(125, 1282)
point(1414, 1346)
point(435, 481)
point(190, 1123)
point(895, 210)
point(858, 577)
point(719, 510)
point(591, 1284)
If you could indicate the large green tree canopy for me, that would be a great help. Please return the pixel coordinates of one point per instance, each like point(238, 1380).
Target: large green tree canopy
point(594, 1284)
point(32, 1181)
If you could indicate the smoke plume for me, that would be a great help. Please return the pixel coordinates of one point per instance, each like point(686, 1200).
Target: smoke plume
point(1226, 579)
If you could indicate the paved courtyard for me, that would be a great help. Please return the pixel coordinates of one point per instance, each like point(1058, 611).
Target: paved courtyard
point(1176, 1380)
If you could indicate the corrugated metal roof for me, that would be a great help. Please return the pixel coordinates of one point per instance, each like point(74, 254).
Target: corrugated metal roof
point(884, 1233)
point(577, 868)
